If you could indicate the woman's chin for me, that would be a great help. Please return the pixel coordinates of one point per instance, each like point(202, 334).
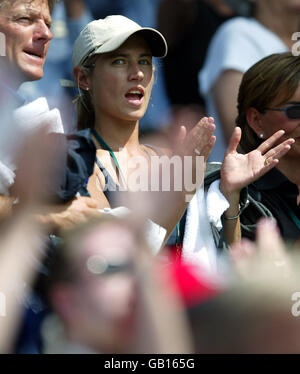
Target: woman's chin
point(135, 116)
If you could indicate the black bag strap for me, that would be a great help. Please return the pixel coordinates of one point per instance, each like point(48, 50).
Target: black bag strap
point(212, 173)
point(247, 203)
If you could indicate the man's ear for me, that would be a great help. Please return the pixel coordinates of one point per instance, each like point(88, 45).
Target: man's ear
point(254, 120)
point(81, 78)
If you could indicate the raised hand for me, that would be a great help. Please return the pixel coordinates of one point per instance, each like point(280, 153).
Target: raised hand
point(239, 170)
point(199, 140)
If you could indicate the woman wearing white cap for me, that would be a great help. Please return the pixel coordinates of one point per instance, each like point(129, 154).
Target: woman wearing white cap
point(113, 68)
point(112, 61)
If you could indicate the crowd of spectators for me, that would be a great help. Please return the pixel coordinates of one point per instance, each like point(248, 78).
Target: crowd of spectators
point(91, 92)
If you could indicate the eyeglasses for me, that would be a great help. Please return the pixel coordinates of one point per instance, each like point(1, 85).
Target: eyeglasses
point(98, 265)
point(292, 111)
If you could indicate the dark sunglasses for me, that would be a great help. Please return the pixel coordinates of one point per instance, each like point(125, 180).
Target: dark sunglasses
point(292, 111)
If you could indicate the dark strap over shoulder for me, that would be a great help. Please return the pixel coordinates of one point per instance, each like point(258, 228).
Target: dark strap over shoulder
point(75, 168)
point(251, 208)
point(212, 173)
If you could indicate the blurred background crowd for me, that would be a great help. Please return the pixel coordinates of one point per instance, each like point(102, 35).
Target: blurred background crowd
point(99, 289)
point(176, 94)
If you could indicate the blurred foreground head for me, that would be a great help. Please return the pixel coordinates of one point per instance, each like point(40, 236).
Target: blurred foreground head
point(111, 296)
point(92, 286)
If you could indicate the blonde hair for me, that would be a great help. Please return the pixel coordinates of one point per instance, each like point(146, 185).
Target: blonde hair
point(83, 102)
point(51, 4)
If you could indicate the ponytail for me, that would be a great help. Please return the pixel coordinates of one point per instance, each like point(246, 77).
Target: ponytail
point(85, 111)
point(83, 103)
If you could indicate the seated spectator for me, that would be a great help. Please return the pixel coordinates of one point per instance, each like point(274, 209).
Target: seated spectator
point(143, 12)
point(26, 26)
point(268, 105)
point(236, 46)
point(68, 19)
point(17, 67)
point(263, 182)
point(115, 74)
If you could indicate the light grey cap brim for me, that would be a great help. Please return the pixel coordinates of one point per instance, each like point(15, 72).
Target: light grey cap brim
point(155, 39)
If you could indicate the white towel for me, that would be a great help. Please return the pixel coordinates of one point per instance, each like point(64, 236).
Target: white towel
point(13, 131)
point(7, 177)
point(36, 114)
point(31, 110)
point(155, 236)
point(198, 244)
point(216, 204)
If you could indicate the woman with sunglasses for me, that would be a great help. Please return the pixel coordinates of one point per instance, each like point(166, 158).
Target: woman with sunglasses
point(268, 105)
point(237, 45)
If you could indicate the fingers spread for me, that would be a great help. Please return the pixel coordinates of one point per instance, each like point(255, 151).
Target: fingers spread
point(266, 145)
point(280, 150)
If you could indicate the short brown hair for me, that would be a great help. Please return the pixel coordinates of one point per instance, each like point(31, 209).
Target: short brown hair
point(270, 82)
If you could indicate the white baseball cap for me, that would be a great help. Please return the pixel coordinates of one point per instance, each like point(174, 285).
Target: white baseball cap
point(108, 34)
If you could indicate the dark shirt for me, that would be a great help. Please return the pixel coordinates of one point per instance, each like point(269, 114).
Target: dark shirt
point(279, 195)
point(78, 165)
